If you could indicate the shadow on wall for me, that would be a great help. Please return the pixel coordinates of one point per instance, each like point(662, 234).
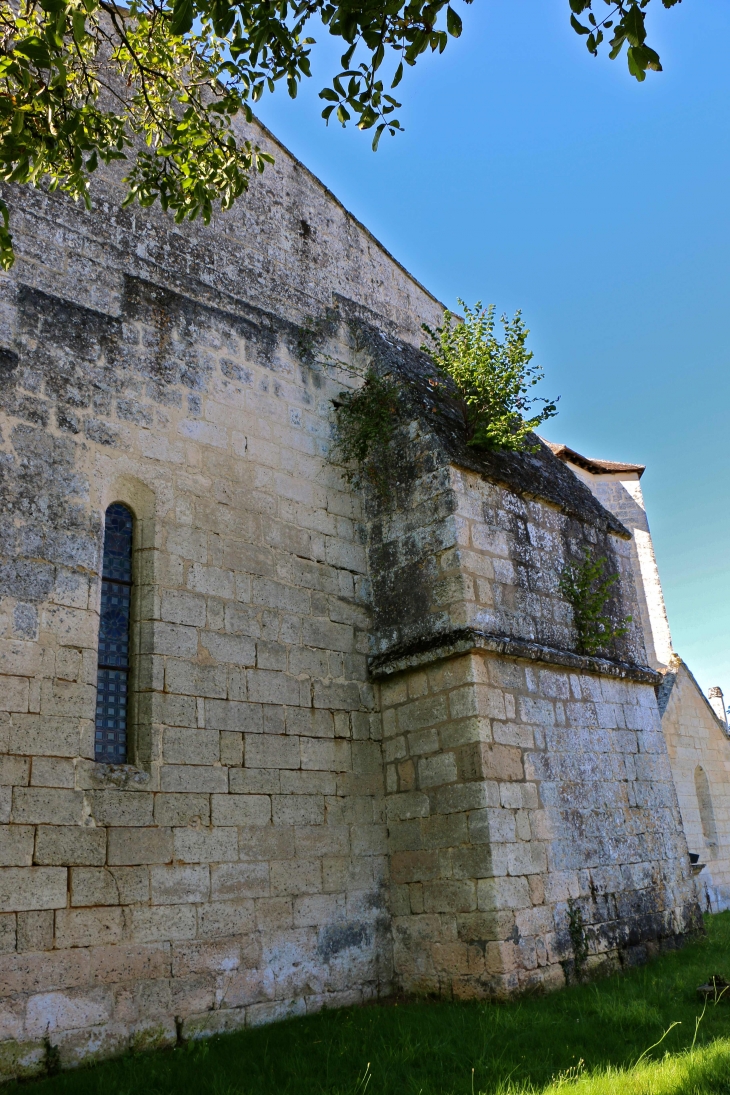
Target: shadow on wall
point(704, 801)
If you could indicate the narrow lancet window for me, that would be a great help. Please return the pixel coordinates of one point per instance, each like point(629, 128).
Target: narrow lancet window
point(112, 688)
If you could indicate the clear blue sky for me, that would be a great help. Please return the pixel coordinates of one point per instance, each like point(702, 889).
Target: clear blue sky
point(533, 176)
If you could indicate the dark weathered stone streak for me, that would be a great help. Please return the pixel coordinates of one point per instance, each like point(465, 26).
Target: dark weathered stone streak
point(88, 374)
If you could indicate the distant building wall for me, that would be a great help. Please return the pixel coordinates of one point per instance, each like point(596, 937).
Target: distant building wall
point(620, 492)
point(699, 753)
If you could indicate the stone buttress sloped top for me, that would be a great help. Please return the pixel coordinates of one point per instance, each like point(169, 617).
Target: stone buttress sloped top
point(538, 473)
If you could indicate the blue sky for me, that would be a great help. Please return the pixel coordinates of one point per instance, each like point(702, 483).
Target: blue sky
point(536, 177)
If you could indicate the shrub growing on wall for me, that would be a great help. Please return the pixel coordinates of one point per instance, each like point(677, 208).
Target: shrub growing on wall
point(490, 381)
point(493, 379)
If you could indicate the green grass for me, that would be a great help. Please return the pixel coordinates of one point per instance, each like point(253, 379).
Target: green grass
point(592, 1040)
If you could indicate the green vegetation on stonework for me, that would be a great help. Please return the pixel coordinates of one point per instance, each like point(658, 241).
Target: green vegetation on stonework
point(592, 1039)
point(490, 381)
point(588, 588)
point(364, 425)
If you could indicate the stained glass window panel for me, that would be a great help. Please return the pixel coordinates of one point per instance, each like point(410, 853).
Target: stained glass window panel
point(111, 716)
point(114, 624)
point(118, 543)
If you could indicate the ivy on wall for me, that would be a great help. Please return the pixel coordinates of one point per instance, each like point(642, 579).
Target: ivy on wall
point(587, 587)
point(366, 420)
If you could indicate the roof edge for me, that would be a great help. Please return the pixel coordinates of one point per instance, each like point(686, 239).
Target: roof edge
point(595, 466)
point(672, 669)
point(333, 197)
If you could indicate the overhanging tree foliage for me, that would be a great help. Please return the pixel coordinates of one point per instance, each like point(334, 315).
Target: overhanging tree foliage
point(158, 83)
point(627, 23)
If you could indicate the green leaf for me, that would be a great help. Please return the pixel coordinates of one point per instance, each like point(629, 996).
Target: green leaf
point(635, 67)
point(633, 25)
point(617, 44)
point(578, 27)
point(329, 94)
point(7, 255)
point(651, 59)
point(182, 17)
point(78, 24)
point(453, 23)
point(35, 49)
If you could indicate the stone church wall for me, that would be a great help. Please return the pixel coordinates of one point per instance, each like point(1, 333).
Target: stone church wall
point(525, 798)
point(238, 868)
point(699, 753)
point(694, 727)
point(236, 871)
point(530, 803)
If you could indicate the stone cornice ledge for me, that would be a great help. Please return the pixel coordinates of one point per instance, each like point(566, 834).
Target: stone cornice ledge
point(466, 640)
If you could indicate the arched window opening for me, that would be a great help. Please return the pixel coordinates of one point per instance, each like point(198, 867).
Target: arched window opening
point(704, 801)
point(112, 687)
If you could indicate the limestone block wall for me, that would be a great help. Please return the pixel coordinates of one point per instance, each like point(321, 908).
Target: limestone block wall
point(699, 752)
point(512, 551)
point(698, 744)
point(235, 870)
point(530, 801)
point(288, 247)
point(458, 551)
point(522, 798)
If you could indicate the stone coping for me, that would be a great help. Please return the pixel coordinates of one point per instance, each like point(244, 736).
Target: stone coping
point(468, 640)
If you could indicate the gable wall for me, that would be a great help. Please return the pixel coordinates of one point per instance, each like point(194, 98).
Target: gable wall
point(695, 738)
